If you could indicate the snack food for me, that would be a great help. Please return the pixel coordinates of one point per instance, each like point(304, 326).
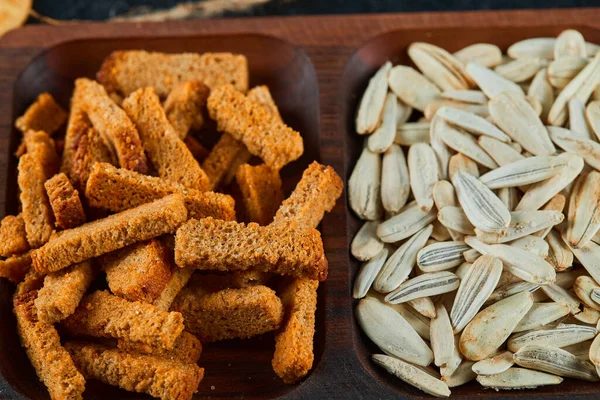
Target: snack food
point(13, 236)
point(184, 106)
point(43, 115)
point(65, 202)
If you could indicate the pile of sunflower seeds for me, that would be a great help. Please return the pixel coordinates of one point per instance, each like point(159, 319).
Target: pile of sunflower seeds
point(481, 242)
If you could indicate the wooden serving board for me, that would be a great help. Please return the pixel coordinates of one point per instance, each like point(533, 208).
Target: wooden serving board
point(318, 66)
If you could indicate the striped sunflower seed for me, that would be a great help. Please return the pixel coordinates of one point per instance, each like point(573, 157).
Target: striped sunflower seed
point(520, 70)
point(424, 173)
point(555, 361)
point(559, 294)
point(364, 186)
point(465, 96)
point(472, 123)
point(518, 378)
point(494, 365)
point(541, 314)
point(491, 83)
point(371, 104)
point(411, 87)
point(523, 223)
point(464, 143)
point(524, 172)
point(395, 181)
point(562, 336)
point(366, 244)
point(429, 284)
point(384, 135)
point(584, 210)
point(408, 222)
point(418, 321)
point(441, 256)
point(510, 289)
point(570, 43)
point(367, 274)
point(442, 338)
point(412, 132)
point(488, 55)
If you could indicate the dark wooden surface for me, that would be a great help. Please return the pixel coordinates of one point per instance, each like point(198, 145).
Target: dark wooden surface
point(343, 56)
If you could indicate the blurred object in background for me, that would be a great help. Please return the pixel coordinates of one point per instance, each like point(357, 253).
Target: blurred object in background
point(13, 13)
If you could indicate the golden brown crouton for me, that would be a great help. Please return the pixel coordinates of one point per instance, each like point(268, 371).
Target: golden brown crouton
point(127, 71)
point(91, 149)
point(41, 342)
point(32, 281)
point(210, 244)
point(77, 126)
point(35, 167)
point(247, 121)
point(160, 378)
point(315, 194)
point(294, 356)
point(185, 105)
point(114, 232)
point(261, 192)
point(187, 349)
point(15, 267)
point(224, 156)
point(262, 95)
point(117, 190)
point(179, 278)
point(138, 272)
point(43, 115)
point(65, 202)
point(62, 292)
point(102, 314)
point(113, 124)
point(13, 236)
point(229, 313)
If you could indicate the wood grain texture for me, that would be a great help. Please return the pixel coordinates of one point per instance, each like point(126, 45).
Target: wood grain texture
point(343, 56)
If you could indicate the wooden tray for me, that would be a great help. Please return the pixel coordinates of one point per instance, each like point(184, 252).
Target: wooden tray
point(317, 66)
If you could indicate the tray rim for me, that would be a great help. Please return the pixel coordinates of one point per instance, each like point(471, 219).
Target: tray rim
point(329, 41)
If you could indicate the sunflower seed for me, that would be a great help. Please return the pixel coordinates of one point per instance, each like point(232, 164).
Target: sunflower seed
point(588, 316)
point(391, 333)
point(595, 296)
point(367, 274)
point(440, 232)
point(540, 193)
point(556, 203)
point(581, 87)
point(555, 361)
point(371, 104)
point(463, 269)
point(524, 172)
point(535, 105)
point(408, 222)
point(523, 223)
point(518, 378)
point(438, 65)
point(491, 83)
point(589, 256)
point(488, 55)
point(577, 120)
point(541, 314)
point(570, 43)
point(442, 338)
point(584, 210)
point(494, 365)
point(581, 350)
point(366, 244)
point(412, 375)
point(412, 132)
point(538, 47)
point(466, 96)
point(424, 285)
point(583, 287)
point(461, 163)
point(566, 279)
point(559, 294)
point(424, 173)
point(562, 336)
point(477, 109)
point(464, 143)
point(471, 255)
point(444, 195)
point(493, 325)
point(442, 151)
point(478, 284)
point(586, 148)
point(511, 289)
point(483, 208)
point(518, 120)
point(423, 306)
point(519, 70)
point(411, 87)
point(441, 256)
point(532, 244)
point(592, 114)
point(384, 135)
point(463, 374)
point(395, 182)
point(364, 186)
point(401, 262)
point(472, 123)
point(541, 90)
point(455, 219)
point(563, 70)
point(509, 197)
point(518, 262)
point(416, 320)
point(559, 254)
point(501, 153)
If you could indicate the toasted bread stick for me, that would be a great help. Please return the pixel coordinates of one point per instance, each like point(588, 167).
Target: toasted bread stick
point(127, 71)
point(160, 378)
point(43, 115)
point(62, 292)
point(41, 342)
point(294, 356)
point(213, 282)
point(315, 194)
point(35, 167)
point(187, 349)
point(113, 124)
point(261, 192)
point(77, 126)
point(138, 272)
point(184, 106)
point(179, 278)
point(196, 148)
point(116, 189)
point(224, 156)
point(15, 267)
point(13, 236)
point(229, 313)
point(91, 149)
point(114, 232)
point(262, 95)
point(65, 202)
point(102, 314)
point(169, 155)
point(247, 121)
point(230, 246)
point(32, 281)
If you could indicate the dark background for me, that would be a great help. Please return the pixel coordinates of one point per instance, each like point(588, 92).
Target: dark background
point(104, 9)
